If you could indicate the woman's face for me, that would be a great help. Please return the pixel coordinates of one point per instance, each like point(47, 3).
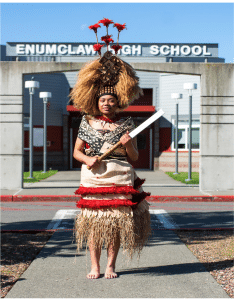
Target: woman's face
point(107, 105)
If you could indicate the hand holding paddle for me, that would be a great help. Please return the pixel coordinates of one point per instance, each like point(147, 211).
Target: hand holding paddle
point(135, 132)
point(100, 158)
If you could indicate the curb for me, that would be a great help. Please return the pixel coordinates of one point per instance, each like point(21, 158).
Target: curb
point(71, 198)
point(190, 198)
point(32, 198)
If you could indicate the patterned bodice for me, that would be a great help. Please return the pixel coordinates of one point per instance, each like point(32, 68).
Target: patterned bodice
point(99, 142)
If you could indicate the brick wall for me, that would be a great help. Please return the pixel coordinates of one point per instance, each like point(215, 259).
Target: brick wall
point(166, 157)
point(167, 161)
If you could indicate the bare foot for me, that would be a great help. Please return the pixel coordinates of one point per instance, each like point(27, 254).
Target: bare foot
point(94, 274)
point(109, 274)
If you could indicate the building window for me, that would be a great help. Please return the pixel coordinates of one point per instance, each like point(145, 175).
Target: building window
point(183, 135)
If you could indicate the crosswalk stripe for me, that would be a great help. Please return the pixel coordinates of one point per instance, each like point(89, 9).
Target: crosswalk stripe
point(65, 214)
point(164, 218)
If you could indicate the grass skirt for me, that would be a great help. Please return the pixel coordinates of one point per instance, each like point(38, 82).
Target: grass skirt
point(112, 207)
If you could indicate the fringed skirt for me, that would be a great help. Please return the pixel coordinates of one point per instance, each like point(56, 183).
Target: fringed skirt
point(113, 207)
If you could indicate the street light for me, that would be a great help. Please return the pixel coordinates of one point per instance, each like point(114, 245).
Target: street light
point(190, 86)
point(31, 85)
point(45, 96)
point(176, 96)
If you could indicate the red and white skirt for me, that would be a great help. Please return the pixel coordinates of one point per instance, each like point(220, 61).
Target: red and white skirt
point(112, 206)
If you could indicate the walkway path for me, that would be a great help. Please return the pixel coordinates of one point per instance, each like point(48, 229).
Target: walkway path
point(166, 269)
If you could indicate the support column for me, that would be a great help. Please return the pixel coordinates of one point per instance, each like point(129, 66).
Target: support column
point(217, 128)
point(12, 130)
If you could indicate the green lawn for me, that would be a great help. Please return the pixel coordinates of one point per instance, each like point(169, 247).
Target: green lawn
point(184, 175)
point(39, 175)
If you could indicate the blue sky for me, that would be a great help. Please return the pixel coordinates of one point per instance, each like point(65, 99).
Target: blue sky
point(146, 22)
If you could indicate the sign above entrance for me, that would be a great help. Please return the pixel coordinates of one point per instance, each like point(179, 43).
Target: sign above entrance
point(130, 49)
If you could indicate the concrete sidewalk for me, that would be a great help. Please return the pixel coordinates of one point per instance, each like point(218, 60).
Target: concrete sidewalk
point(64, 183)
point(166, 269)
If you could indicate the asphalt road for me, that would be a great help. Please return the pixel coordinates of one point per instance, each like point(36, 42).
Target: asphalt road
point(171, 215)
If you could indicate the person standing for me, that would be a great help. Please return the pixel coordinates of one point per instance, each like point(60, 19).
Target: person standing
point(114, 211)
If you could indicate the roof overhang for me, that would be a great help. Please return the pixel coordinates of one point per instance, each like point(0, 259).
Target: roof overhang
point(131, 108)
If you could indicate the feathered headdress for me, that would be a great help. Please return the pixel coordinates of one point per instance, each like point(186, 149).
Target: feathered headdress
point(107, 75)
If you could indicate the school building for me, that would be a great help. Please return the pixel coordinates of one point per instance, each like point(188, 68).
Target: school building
point(156, 143)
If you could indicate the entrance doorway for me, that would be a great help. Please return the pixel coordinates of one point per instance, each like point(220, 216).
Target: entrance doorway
point(75, 124)
point(144, 145)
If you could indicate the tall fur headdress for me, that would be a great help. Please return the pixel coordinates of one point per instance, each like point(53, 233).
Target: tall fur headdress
point(107, 75)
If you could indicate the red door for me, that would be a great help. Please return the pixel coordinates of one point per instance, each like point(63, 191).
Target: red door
point(75, 163)
point(74, 127)
point(143, 145)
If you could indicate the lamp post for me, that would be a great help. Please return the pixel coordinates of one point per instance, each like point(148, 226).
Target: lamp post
point(31, 85)
point(45, 96)
point(190, 86)
point(176, 96)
